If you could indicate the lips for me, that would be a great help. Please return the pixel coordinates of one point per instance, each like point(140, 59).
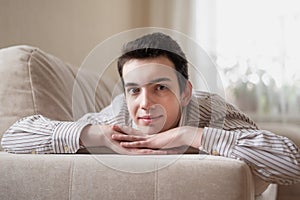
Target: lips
point(149, 119)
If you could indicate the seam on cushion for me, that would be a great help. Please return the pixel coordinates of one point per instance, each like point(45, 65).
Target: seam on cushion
point(156, 181)
point(71, 174)
point(30, 80)
point(248, 184)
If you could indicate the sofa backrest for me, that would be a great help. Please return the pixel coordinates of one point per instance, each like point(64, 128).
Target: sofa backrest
point(36, 82)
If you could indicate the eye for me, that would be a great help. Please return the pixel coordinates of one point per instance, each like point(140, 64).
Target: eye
point(161, 87)
point(133, 91)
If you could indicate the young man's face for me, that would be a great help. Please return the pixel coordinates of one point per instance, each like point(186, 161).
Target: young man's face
point(152, 93)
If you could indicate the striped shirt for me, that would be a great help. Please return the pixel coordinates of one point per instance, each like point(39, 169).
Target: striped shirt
point(226, 132)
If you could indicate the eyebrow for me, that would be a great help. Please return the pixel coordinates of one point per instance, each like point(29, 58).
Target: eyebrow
point(151, 82)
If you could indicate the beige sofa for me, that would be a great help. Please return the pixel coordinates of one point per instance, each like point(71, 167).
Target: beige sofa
point(35, 82)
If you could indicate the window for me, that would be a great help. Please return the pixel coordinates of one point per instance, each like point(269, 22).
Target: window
point(257, 51)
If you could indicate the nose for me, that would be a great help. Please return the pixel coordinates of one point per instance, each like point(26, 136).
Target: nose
point(146, 99)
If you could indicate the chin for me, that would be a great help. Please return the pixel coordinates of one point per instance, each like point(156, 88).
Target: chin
point(148, 130)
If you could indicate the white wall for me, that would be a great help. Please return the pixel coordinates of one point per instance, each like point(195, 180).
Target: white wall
point(70, 29)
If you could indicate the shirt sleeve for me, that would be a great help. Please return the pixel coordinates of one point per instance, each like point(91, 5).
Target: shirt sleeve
point(38, 134)
point(273, 158)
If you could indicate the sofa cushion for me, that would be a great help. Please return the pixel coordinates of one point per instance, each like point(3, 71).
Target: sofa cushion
point(36, 82)
point(124, 177)
point(33, 82)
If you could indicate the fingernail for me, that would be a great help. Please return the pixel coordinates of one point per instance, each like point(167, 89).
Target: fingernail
point(113, 136)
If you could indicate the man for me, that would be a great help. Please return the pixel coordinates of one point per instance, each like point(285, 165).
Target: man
point(160, 114)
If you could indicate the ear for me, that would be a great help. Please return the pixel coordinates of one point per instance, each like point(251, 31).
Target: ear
point(186, 94)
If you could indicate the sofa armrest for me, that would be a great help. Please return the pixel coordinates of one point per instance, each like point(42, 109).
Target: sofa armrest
point(114, 176)
point(36, 82)
point(33, 82)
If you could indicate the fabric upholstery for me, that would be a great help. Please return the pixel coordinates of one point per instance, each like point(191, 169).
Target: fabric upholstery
point(36, 82)
point(93, 177)
point(33, 82)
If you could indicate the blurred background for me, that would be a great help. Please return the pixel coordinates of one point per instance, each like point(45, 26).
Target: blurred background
point(254, 43)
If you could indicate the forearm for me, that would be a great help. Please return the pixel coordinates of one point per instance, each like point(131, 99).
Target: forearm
point(92, 136)
point(191, 136)
point(29, 135)
point(273, 158)
point(38, 134)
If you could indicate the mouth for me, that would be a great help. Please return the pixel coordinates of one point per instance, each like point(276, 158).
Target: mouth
point(149, 119)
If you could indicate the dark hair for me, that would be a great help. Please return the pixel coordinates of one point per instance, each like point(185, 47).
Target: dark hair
point(152, 46)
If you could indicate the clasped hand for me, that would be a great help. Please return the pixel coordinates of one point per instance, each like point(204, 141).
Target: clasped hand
point(172, 141)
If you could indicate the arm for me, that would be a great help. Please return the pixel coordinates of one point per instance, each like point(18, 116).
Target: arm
point(273, 158)
point(38, 134)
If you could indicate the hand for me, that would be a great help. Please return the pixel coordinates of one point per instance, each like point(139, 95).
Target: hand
point(101, 136)
point(172, 141)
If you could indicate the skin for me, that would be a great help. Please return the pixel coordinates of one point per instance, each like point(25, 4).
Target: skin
point(152, 94)
point(154, 103)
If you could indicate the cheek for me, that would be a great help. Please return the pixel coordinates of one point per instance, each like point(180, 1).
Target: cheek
point(172, 107)
point(173, 115)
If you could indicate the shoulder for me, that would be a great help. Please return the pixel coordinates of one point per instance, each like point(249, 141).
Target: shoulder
point(115, 113)
point(207, 96)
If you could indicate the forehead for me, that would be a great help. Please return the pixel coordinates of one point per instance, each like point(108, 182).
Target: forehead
point(143, 70)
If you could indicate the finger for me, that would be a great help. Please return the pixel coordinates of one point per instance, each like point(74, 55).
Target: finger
point(134, 144)
point(122, 137)
point(149, 152)
point(116, 147)
point(145, 142)
point(137, 151)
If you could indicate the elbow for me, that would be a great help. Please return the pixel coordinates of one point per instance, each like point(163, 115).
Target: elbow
point(4, 142)
point(298, 168)
point(296, 163)
point(10, 144)
point(294, 170)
